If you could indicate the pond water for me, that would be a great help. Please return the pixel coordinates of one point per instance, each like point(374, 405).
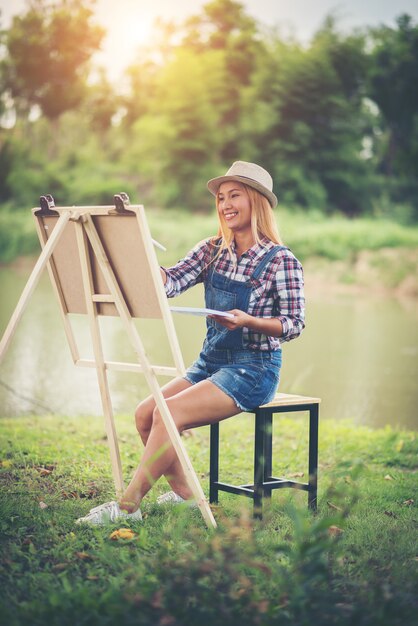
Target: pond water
point(358, 353)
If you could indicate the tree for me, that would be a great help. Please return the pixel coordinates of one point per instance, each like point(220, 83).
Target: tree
point(101, 102)
point(142, 78)
point(393, 85)
point(178, 139)
point(305, 109)
point(48, 50)
point(224, 26)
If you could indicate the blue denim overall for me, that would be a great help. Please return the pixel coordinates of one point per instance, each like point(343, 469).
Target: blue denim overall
point(224, 294)
point(250, 377)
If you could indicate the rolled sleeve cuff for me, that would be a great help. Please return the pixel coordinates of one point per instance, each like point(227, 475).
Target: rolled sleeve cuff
point(291, 328)
point(287, 326)
point(169, 285)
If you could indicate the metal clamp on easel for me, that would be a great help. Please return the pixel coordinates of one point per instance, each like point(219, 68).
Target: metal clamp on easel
point(47, 204)
point(122, 201)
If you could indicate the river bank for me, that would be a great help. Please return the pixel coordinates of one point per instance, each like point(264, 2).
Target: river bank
point(386, 272)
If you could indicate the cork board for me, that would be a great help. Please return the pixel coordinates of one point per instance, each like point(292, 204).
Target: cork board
point(122, 240)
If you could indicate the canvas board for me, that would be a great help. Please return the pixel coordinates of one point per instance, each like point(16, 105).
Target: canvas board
point(125, 250)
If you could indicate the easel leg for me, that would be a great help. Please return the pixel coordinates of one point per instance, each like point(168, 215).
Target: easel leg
point(99, 358)
point(56, 286)
point(150, 376)
point(111, 434)
point(32, 282)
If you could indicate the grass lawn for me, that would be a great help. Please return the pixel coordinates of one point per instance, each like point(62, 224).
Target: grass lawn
point(355, 562)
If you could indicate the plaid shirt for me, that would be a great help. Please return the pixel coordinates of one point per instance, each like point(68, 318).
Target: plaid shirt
point(277, 293)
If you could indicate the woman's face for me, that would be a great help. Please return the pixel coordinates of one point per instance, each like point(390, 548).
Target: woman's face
point(234, 206)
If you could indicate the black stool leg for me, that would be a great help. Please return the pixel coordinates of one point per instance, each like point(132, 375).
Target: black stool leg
point(313, 456)
point(214, 463)
point(259, 461)
point(268, 450)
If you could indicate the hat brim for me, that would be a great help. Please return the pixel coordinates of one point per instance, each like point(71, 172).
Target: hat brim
point(214, 184)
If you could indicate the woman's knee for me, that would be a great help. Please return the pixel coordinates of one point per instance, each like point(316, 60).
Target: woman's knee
point(158, 421)
point(143, 419)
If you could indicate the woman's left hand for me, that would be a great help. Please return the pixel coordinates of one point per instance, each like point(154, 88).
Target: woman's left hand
point(239, 320)
point(270, 326)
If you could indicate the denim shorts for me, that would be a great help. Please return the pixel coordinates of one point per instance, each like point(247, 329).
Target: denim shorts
point(249, 377)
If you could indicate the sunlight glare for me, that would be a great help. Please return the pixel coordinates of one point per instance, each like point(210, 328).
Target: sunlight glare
point(138, 33)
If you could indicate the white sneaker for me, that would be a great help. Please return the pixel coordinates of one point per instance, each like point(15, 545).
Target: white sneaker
point(107, 513)
point(171, 497)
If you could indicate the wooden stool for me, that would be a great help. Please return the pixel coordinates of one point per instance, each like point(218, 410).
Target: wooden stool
point(264, 482)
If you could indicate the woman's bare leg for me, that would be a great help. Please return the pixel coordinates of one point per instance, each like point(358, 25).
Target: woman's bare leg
point(144, 417)
point(197, 405)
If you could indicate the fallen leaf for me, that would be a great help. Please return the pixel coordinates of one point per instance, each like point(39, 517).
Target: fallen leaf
point(334, 506)
point(43, 471)
point(59, 566)
point(42, 505)
point(27, 540)
point(92, 492)
point(409, 502)
point(84, 556)
point(263, 606)
point(388, 477)
point(6, 463)
point(335, 531)
point(390, 514)
point(122, 533)
point(67, 495)
point(296, 475)
point(92, 577)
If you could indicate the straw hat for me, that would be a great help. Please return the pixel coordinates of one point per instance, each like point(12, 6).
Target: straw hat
point(249, 174)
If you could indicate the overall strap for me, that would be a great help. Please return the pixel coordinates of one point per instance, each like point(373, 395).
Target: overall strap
point(266, 258)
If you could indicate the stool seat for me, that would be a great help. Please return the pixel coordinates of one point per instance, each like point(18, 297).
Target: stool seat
point(283, 399)
point(264, 482)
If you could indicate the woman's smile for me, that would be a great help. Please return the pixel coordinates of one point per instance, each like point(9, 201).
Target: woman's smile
point(234, 205)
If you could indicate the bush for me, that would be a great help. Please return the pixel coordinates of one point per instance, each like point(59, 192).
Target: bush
point(17, 236)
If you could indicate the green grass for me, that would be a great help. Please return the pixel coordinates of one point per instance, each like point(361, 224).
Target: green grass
point(291, 568)
point(17, 236)
point(309, 234)
point(337, 238)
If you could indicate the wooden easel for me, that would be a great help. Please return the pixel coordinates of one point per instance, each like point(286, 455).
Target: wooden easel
point(101, 261)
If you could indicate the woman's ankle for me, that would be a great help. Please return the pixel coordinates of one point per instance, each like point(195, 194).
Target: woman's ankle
point(128, 505)
point(182, 491)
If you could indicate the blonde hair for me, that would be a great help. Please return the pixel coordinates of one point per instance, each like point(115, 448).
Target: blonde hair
point(263, 223)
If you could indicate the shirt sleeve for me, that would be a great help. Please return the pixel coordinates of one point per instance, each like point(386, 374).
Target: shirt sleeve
point(187, 272)
point(291, 299)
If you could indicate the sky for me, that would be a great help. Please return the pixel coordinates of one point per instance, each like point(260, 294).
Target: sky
point(129, 22)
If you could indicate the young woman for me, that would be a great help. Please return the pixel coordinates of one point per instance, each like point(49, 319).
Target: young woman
point(248, 272)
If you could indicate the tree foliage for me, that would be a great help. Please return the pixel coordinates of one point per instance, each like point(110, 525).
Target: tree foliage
point(335, 121)
point(394, 88)
point(48, 49)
